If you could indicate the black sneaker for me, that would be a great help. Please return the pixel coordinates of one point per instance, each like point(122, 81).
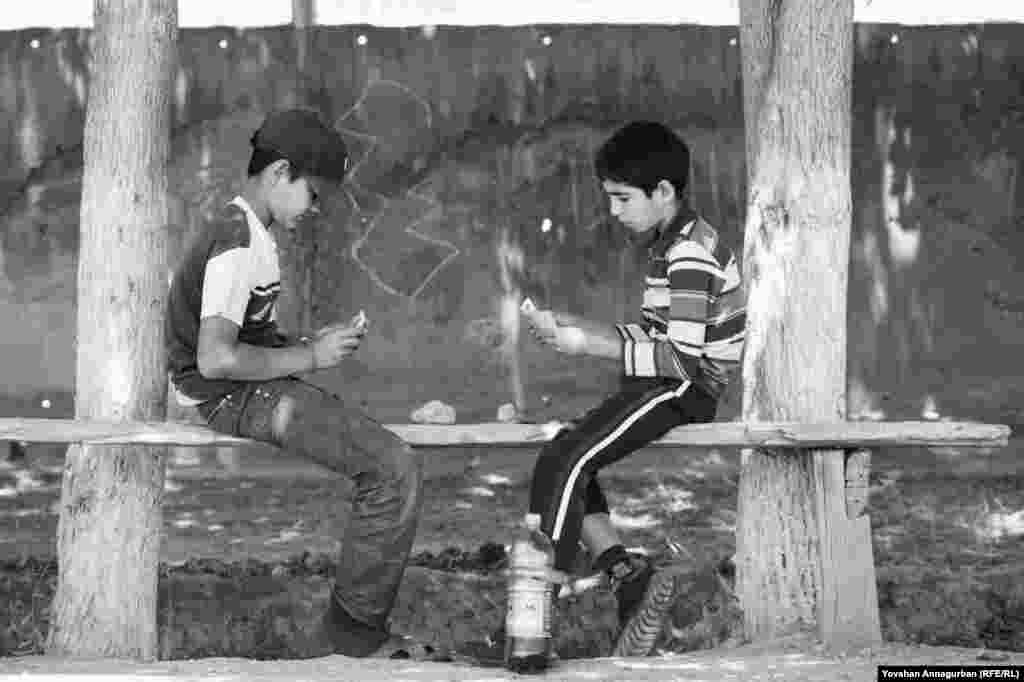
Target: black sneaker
point(349, 637)
point(406, 648)
point(628, 581)
point(629, 574)
point(646, 619)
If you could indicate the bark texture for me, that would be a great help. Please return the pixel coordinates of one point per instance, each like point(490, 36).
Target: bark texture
point(109, 530)
point(801, 561)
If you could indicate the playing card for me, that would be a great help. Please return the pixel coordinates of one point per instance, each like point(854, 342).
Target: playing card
point(361, 320)
point(543, 320)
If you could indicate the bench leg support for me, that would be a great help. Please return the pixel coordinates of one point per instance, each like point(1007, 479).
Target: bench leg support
point(858, 468)
point(848, 598)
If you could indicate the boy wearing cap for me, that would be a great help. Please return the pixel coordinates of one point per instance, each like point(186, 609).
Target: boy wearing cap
point(227, 356)
point(675, 362)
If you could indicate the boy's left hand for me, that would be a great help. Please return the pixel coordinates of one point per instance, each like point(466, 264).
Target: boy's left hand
point(601, 338)
point(574, 335)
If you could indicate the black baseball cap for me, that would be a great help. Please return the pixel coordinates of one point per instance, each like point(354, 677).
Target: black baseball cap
point(301, 136)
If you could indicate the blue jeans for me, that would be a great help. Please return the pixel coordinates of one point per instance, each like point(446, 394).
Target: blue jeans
point(388, 480)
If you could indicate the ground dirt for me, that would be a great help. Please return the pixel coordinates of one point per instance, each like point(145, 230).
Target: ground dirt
point(793, 660)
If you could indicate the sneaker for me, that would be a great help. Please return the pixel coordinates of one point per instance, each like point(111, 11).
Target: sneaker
point(406, 648)
point(643, 627)
point(628, 581)
point(350, 637)
point(628, 575)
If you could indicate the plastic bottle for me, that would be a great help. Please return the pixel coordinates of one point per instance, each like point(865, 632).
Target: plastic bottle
point(528, 618)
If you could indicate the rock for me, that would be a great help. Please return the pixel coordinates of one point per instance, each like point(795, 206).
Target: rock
point(507, 413)
point(434, 412)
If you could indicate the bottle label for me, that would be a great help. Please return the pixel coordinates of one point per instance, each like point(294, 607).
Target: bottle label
point(529, 610)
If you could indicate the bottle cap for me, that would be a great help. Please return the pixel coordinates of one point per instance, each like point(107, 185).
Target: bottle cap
point(533, 521)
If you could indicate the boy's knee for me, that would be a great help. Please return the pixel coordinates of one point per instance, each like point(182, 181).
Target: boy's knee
point(300, 402)
point(382, 456)
point(552, 461)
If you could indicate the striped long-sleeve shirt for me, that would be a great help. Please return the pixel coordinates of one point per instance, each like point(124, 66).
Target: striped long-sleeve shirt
point(694, 314)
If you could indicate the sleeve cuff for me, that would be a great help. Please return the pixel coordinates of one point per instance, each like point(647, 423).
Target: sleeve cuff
point(637, 351)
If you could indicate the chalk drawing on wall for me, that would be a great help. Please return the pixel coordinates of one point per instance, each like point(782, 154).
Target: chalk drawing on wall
point(432, 211)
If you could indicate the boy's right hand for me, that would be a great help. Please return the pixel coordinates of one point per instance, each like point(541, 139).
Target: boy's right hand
point(558, 331)
point(333, 344)
point(541, 322)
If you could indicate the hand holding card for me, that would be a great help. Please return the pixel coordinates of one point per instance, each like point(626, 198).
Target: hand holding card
point(542, 320)
point(360, 321)
point(571, 340)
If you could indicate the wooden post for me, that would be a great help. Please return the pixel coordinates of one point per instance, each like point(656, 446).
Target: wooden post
point(303, 19)
point(298, 248)
point(801, 561)
point(858, 470)
point(110, 525)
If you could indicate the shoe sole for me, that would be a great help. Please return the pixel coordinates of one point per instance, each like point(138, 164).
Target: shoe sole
point(641, 631)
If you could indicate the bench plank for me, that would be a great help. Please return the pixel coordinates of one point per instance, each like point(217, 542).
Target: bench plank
point(112, 433)
point(823, 435)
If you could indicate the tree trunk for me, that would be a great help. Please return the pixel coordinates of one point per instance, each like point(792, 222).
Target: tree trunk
point(801, 561)
point(108, 542)
point(303, 19)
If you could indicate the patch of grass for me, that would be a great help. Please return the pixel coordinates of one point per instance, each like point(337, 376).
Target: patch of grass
point(26, 588)
point(945, 575)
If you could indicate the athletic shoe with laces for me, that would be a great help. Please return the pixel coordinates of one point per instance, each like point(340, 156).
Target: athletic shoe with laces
point(350, 637)
point(404, 647)
point(628, 574)
point(628, 579)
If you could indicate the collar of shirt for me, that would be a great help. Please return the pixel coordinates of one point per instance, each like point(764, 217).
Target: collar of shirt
point(254, 220)
point(680, 225)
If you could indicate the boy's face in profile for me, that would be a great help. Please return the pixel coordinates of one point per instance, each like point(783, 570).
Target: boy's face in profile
point(292, 200)
point(638, 212)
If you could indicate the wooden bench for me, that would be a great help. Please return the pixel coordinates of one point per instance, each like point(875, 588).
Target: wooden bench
point(853, 439)
point(845, 435)
point(848, 612)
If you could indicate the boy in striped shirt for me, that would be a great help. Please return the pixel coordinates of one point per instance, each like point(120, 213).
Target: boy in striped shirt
point(676, 360)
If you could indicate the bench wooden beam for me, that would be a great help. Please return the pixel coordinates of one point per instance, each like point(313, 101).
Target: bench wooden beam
point(826, 435)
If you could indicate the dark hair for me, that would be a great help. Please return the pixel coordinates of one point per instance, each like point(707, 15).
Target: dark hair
point(263, 157)
point(642, 154)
